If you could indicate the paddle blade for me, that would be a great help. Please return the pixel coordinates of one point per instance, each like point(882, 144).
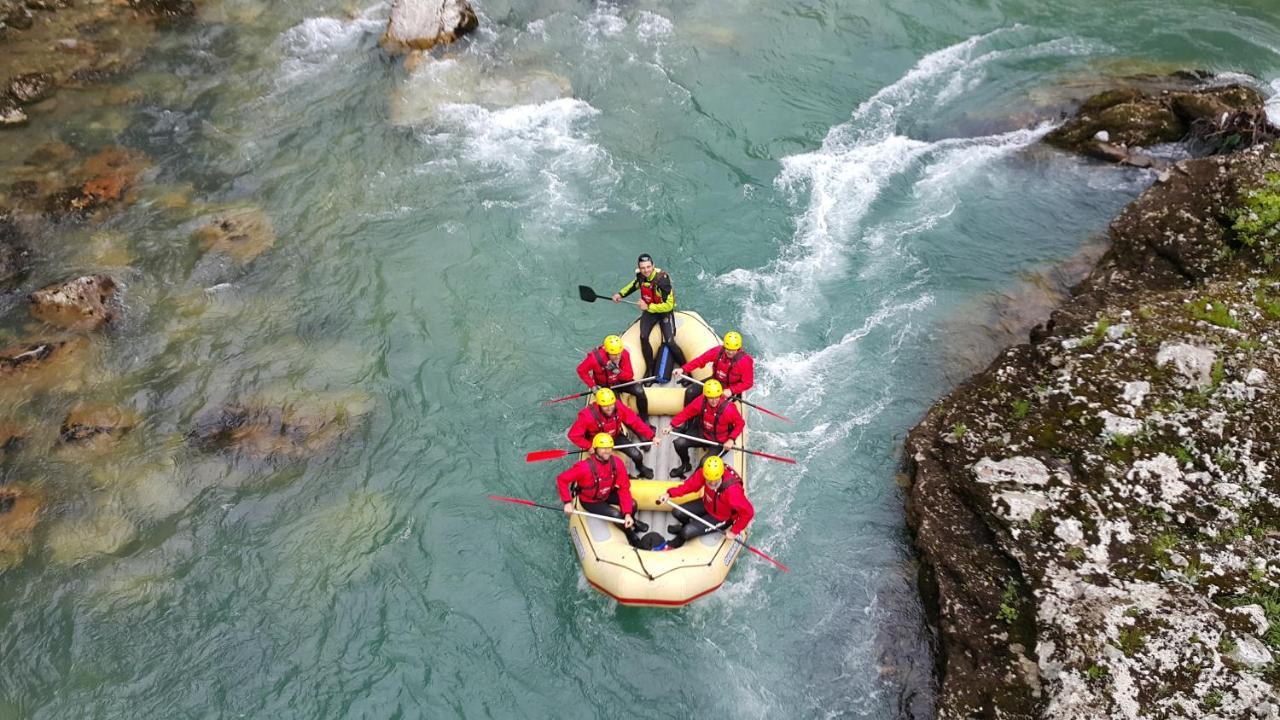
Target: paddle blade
point(562, 399)
point(782, 567)
point(779, 458)
point(587, 294)
point(517, 501)
point(767, 411)
point(540, 455)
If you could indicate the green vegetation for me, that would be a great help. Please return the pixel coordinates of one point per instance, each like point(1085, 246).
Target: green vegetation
point(1213, 699)
point(1037, 520)
point(958, 430)
point(1214, 312)
point(1226, 645)
point(1008, 611)
point(1131, 641)
point(1075, 554)
point(1258, 219)
point(1020, 408)
point(1096, 672)
point(1099, 333)
point(1218, 373)
point(1182, 455)
point(1270, 308)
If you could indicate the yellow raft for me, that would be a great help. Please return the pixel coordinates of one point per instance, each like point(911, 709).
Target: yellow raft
point(666, 578)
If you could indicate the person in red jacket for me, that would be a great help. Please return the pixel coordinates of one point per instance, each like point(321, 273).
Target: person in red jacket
point(610, 365)
point(718, 421)
point(607, 415)
point(734, 368)
point(723, 503)
point(600, 482)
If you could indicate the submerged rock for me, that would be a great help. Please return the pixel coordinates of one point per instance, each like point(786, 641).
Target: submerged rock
point(436, 84)
point(104, 178)
point(263, 430)
point(423, 24)
point(83, 303)
point(105, 532)
point(97, 425)
point(30, 88)
point(11, 115)
point(15, 256)
point(242, 234)
point(19, 510)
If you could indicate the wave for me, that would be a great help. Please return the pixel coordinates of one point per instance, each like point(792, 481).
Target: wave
point(317, 44)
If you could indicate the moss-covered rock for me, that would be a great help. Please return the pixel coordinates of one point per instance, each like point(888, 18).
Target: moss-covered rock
point(1111, 501)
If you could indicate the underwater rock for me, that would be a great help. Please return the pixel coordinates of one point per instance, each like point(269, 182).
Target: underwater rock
point(103, 533)
point(15, 256)
point(241, 234)
point(30, 88)
point(97, 425)
point(261, 430)
point(78, 304)
point(434, 84)
point(166, 9)
point(11, 436)
point(104, 178)
point(423, 24)
point(19, 510)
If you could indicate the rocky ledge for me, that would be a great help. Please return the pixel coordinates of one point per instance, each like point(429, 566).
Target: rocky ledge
point(1098, 512)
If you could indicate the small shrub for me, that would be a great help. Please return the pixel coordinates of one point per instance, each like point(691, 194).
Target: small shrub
point(958, 430)
point(1131, 641)
point(1213, 699)
point(1270, 308)
point(1096, 672)
point(1037, 520)
point(1218, 373)
point(1226, 645)
point(1182, 455)
point(1075, 554)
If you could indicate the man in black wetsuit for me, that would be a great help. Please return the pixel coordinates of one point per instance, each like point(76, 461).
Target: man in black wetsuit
point(657, 306)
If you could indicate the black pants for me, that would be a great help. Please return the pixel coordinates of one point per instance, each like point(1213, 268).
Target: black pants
point(666, 321)
point(682, 446)
point(608, 509)
point(691, 528)
point(636, 390)
point(636, 454)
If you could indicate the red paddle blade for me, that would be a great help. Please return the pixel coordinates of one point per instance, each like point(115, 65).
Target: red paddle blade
point(767, 411)
point(562, 399)
point(540, 455)
point(517, 501)
point(782, 567)
point(779, 458)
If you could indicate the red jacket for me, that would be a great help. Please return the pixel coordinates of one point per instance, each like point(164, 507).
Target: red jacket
point(592, 420)
point(594, 369)
point(729, 502)
point(718, 423)
point(595, 480)
point(738, 374)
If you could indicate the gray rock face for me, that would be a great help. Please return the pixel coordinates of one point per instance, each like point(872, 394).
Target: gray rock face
point(423, 24)
point(1195, 364)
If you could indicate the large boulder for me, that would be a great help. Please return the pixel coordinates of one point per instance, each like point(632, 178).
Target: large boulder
point(83, 303)
point(423, 24)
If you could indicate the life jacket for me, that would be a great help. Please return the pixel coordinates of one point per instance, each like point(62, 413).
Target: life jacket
point(724, 366)
point(649, 288)
point(604, 376)
point(711, 429)
point(714, 501)
point(605, 423)
point(601, 484)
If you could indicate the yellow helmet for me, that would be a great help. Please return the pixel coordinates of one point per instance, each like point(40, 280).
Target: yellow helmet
point(712, 389)
point(613, 345)
point(713, 468)
point(602, 440)
point(605, 397)
point(732, 340)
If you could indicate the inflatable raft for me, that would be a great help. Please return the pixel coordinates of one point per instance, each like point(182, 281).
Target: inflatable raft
point(665, 578)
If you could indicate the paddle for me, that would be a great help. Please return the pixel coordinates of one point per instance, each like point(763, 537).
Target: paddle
point(589, 295)
point(588, 392)
point(779, 458)
point(531, 503)
point(557, 453)
point(744, 401)
point(784, 568)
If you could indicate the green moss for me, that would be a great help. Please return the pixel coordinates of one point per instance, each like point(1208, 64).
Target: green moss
point(1020, 408)
point(1214, 312)
point(1008, 604)
point(1075, 554)
point(1270, 308)
point(1257, 220)
point(1131, 641)
point(1037, 520)
point(1213, 699)
point(1096, 672)
point(958, 430)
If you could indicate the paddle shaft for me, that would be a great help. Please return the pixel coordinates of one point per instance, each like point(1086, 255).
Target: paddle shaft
point(530, 503)
point(704, 441)
point(737, 540)
point(584, 393)
point(740, 399)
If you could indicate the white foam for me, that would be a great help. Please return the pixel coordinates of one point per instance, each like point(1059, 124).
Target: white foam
point(316, 44)
point(1273, 103)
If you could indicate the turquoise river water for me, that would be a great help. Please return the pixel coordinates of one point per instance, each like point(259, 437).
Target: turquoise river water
point(854, 185)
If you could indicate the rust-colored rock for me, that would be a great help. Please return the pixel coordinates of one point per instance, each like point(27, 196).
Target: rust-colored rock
point(97, 425)
point(242, 234)
point(19, 510)
point(82, 303)
point(104, 179)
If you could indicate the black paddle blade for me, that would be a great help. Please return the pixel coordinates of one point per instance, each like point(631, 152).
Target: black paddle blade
point(587, 294)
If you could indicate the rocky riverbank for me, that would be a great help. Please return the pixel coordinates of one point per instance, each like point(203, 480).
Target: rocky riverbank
point(1098, 512)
